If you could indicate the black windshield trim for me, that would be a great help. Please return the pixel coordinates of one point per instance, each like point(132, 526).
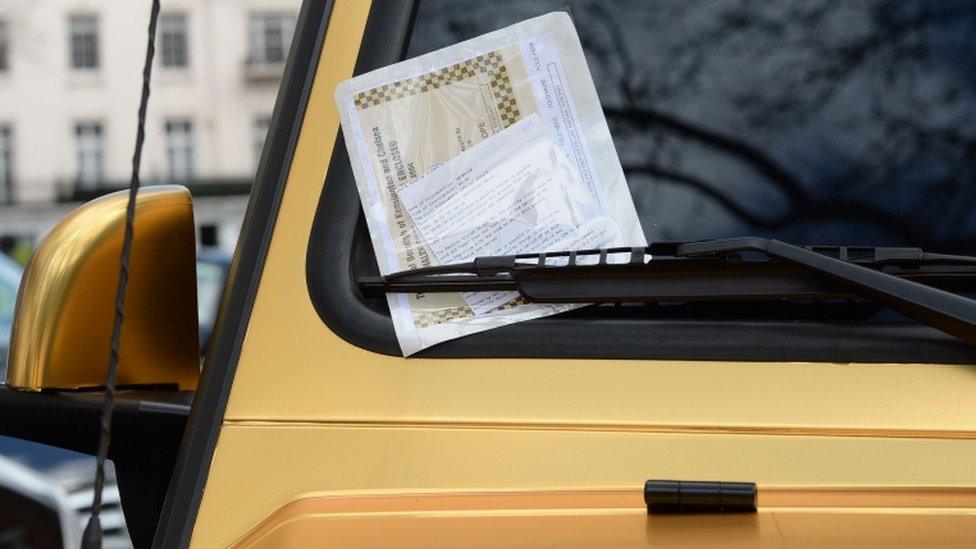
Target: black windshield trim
point(183, 498)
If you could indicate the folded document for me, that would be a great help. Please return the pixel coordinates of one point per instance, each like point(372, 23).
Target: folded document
point(513, 193)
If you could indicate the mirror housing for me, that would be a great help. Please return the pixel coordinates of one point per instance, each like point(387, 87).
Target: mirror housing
point(66, 303)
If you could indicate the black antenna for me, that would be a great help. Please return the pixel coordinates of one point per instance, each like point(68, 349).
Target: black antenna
point(92, 537)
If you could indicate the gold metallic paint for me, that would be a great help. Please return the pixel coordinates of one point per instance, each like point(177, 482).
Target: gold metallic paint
point(312, 414)
point(66, 304)
point(622, 529)
point(603, 518)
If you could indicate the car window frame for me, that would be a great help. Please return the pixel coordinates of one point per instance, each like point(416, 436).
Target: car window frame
point(184, 494)
point(339, 248)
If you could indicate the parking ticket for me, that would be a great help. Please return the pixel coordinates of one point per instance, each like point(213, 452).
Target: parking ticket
point(514, 193)
point(402, 121)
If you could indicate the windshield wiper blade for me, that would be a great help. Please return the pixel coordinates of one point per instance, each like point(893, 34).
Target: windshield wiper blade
point(674, 274)
point(945, 311)
point(907, 280)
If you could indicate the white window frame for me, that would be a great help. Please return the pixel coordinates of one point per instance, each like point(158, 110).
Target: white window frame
point(174, 41)
point(90, 146)
point(83, 33)
point(269, 35)
point(180, 150)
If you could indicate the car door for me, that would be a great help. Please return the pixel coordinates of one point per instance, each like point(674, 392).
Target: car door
point(308, 426)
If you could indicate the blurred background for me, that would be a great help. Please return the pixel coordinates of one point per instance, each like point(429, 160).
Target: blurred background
point(70, 77)
point(812, 121)
point(69, 81)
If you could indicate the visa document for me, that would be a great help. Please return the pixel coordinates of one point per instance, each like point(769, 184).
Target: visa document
point(404, 121)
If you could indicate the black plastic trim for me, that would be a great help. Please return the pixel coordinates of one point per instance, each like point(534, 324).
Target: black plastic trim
point(206, 414)
point(338, 224)
point(146, 430)
point(682, 496)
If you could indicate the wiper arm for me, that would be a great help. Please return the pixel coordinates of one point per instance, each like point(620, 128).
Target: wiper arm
point(948, 312)
point(719, 270)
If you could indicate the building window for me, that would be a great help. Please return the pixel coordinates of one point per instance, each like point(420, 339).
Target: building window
point(173, 41)
point(4, 46)
point(259, 131)
point(84, 42)
point(6, 164)
point(270, 35)
point(179, 149)
point(90, 140)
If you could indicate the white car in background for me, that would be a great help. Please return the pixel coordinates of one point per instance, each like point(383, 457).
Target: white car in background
point(49, 508)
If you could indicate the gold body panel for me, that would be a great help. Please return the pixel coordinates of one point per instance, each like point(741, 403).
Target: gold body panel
point(312, 417)
point(66, 304)
point(610, 518)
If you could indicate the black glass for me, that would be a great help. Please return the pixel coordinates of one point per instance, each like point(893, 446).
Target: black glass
point(814, 122)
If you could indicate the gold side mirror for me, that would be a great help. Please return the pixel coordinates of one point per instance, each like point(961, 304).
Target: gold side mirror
point(66, 305)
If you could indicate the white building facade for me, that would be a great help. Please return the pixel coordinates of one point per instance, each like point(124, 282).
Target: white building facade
point(70, 80)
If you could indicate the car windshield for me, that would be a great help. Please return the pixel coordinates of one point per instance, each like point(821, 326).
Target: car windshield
point(814, 122)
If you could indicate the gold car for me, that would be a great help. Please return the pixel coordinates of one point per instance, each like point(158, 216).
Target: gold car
point(306, 427)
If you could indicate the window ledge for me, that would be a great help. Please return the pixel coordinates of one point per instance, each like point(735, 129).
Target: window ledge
point(263, 72)
point(175, 75)
point(90, 78)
